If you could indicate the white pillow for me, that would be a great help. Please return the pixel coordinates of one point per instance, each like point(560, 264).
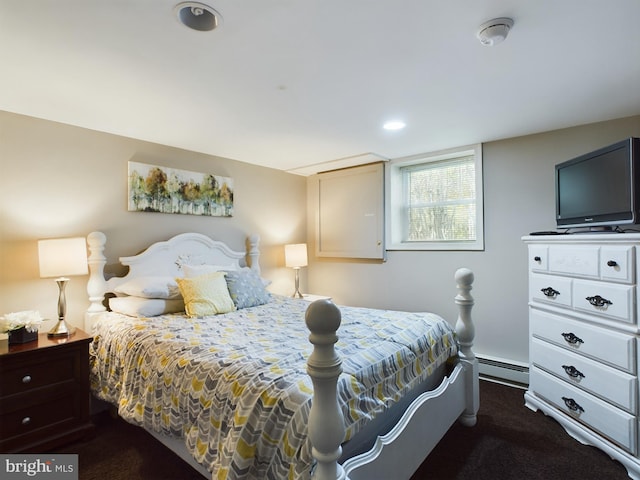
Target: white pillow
point(192, 271)
point(144, 307)
point(150, 287)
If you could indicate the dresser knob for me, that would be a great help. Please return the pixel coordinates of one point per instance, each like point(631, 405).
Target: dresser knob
point(26, 379)
point(572, 371)
point(598, 301)
point(572, 339)
point(26, 420)
point(537, 259)
point(572, 405)
point(612, 263)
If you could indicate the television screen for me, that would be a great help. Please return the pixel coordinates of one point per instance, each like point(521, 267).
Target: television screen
point(596, 188)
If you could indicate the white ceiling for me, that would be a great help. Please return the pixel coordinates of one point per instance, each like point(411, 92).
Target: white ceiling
point(293, 83)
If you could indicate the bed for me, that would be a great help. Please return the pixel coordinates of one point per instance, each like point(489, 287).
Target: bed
point(245, 384)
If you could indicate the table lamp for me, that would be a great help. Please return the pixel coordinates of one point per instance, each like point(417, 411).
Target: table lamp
point(295, 256)
point(60, 258)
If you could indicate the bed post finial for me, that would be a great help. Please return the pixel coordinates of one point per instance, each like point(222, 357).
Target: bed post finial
point(324, 366)
point(96, 285)
point(465, 333)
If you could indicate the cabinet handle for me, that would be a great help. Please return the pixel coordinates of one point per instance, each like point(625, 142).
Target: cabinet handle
point(598, 301)
point(26, 420)
point(537, 259)
point(549, 292)
point(26, 379)
point(573, 371)
point(612, 263)
point(572, 405)
point(572, 339)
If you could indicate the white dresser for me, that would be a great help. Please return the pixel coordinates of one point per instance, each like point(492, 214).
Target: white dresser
point(583, 338)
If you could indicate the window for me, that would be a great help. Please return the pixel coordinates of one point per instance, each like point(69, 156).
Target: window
point(434, 202)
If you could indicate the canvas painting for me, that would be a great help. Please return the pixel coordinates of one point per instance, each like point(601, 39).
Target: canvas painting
point(168, 190)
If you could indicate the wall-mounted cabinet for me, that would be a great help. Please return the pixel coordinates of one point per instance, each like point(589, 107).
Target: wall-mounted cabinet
point(350, 213)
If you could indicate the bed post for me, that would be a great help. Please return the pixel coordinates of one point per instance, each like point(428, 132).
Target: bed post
point(96, 286)
point(254, 253)
point(465, 332)
point(324, 366)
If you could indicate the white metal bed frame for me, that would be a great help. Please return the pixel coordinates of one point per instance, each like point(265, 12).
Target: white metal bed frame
point(395, 454)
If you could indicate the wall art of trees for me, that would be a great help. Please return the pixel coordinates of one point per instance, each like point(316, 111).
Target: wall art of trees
point(167, 190)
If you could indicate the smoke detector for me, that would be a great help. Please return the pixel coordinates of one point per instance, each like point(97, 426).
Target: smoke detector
point(494, 31)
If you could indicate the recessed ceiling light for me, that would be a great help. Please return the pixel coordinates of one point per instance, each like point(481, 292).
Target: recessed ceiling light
point(394, 125)
point(197, 16)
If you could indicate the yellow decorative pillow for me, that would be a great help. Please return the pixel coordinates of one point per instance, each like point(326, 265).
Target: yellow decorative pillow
point(206, 294)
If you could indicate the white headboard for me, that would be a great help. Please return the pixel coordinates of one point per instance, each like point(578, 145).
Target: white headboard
point(164, 258)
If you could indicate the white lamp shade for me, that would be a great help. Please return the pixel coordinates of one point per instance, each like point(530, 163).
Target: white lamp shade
point(62, 256)
point(295, 255)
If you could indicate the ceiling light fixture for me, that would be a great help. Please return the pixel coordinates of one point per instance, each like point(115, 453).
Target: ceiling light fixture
point(198, 16)
point(494, 31)
point(394, 125)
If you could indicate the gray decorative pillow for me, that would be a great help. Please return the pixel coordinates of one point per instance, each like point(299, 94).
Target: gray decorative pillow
point(246, 288)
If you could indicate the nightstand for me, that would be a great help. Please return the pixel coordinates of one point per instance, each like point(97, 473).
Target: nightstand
point(44, 393)
point(312, 298)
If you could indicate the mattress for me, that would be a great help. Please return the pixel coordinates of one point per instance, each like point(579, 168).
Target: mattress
point(235, 388)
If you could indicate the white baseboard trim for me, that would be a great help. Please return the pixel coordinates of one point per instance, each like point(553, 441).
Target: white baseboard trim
point(505, 371)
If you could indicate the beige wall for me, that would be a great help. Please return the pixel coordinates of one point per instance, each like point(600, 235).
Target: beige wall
point(519, 198)
point(59, 181)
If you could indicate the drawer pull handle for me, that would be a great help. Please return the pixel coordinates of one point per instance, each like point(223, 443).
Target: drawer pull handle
point(549, 292)
point(537, 259)
point(598, 301)
point(26, 420)
point(612, 263)
point(26, 379)
point(572, 405)
point(573, 371)
point(572, 339)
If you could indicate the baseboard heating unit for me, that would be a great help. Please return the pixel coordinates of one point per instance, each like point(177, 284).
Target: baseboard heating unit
point(500, 370)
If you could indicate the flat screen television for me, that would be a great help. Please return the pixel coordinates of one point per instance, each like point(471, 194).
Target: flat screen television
point(601, 188)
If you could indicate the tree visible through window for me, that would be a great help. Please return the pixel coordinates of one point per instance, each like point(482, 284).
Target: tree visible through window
point(440, 201)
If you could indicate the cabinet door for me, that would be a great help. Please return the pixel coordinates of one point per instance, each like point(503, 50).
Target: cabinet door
point(350, 218)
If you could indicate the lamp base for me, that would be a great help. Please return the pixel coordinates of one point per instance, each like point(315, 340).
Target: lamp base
point(61, 329)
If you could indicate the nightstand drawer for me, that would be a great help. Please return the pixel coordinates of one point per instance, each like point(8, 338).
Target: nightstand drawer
point(36, 374)
point(605, 382)
point(30, 419)
point(613, 348)
point(613, 423)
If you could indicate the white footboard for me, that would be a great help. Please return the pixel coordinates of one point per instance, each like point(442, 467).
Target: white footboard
point(400, 452)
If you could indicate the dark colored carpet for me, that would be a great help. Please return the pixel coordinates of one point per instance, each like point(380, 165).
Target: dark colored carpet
point(509, 442)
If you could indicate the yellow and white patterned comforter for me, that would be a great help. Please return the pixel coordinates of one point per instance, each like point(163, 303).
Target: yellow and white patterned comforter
point(235, 386)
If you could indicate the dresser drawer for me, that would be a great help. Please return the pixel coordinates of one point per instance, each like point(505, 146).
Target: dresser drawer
point(605, 382)
point(605, 299)
point(538, 258)
point(611, 347)
point(617, 263)
point(580, 260)
point(618, 426)
point(550, 289)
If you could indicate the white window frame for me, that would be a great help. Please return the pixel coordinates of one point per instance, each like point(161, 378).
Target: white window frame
point(395, 201)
